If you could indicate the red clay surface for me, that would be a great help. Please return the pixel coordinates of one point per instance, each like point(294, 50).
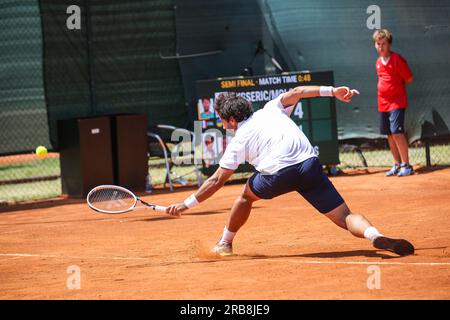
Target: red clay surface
point(285, 251)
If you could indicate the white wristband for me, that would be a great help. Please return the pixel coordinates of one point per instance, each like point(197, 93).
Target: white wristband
point(326, 91)
point(191, 201)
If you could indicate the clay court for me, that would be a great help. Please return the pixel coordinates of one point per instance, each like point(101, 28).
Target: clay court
point(285, 251)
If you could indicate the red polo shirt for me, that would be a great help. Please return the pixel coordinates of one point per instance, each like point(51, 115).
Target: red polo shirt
point(391, 83)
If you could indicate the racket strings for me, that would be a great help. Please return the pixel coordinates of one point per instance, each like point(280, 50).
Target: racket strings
point(111, 199)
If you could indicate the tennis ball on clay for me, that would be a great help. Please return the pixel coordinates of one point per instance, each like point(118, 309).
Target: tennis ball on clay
point(41, 152)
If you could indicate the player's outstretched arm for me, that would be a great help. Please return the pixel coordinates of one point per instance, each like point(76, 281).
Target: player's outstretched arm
point(292, 97)
point(213, 183)
point(208, 188)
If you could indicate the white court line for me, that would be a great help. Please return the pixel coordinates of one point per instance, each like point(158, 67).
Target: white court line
point(25, 255)
point(362, 262)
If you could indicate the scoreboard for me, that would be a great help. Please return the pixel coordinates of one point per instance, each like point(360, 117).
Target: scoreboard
point(316, 117)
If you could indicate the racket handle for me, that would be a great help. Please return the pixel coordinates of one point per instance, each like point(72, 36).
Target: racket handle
point(159, 208)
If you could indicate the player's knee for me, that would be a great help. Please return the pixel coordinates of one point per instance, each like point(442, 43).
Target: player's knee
point(248, 195)
point(354, 217)
point(245, 198)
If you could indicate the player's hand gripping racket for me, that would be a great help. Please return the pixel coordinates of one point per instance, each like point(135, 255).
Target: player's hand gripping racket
point(115, 199)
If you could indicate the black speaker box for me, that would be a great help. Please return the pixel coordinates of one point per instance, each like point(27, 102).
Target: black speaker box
point(85, 154)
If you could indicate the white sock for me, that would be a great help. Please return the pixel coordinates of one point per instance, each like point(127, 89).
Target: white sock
point(371, 233)
point(227, 236)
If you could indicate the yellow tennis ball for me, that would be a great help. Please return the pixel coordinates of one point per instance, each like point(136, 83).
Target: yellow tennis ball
point(41, 152)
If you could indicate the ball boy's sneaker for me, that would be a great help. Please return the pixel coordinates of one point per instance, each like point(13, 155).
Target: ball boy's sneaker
point(405, 170)
point(394, 170)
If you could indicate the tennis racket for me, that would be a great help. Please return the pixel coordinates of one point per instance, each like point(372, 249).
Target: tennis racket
point(116, 199)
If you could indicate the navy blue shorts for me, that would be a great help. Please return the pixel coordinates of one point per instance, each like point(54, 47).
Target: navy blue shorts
point(392, 122)
point(307, 178)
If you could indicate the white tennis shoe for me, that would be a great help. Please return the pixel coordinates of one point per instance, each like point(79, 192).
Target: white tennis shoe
point(223, 249)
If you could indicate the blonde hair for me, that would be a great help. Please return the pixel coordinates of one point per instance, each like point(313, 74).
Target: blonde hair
point(382, 33)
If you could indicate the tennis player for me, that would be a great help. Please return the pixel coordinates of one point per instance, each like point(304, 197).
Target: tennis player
point(285, 161)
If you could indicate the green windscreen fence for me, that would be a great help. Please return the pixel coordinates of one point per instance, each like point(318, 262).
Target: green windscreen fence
point(23, 117)
point(113, 63)
point(65, 63)
point(146, 56)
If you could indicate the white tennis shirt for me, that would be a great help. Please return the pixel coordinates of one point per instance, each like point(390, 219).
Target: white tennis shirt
point(269, 140)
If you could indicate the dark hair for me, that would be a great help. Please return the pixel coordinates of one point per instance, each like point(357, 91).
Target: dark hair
point(230, 105)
